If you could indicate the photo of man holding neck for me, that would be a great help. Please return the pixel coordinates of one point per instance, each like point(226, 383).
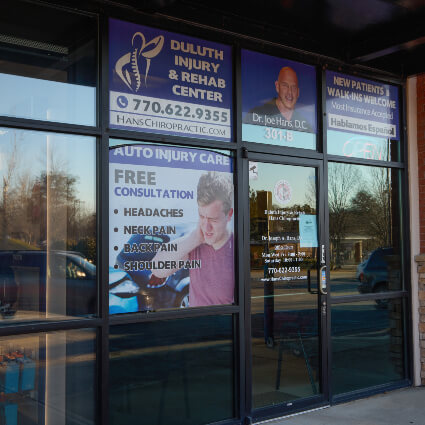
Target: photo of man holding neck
point(211, 242)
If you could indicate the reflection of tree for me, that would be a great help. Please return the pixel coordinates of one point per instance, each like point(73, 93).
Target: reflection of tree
point(360, 208)
point(9, 164)
point(342, 183)
point(372, 207)
point(56, 191)
point(259, 202)
point(252, 207)
point(28, 200)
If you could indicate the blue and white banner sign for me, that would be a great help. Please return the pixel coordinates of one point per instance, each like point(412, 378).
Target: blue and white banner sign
point(168, 83)
point(171, 228)
point(361, 106)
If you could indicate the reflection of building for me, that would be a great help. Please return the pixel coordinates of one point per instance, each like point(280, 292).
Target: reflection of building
point(352, 249)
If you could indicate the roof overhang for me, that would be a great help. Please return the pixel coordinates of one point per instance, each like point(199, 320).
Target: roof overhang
point(385, 35)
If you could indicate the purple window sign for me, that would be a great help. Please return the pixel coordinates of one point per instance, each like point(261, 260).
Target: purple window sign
point(361, 106)
point(168, 83)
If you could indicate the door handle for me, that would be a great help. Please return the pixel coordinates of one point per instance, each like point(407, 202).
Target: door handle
point(309, 282)
point(322, 281)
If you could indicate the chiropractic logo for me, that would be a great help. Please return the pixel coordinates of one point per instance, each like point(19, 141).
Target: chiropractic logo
point(282, 192)
point(136, 63)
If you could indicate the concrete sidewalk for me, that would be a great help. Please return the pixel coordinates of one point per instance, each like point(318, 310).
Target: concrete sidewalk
point(400, 407)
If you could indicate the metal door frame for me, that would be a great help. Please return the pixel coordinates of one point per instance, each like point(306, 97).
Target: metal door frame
point(321, 399)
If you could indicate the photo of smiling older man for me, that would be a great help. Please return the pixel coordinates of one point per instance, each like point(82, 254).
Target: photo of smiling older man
point(280, 111)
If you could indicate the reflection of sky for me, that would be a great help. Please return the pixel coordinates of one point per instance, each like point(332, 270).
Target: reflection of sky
point(38, 99)
point(300, 179)
point(74, 155)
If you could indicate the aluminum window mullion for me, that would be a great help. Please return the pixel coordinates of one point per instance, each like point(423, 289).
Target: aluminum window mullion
point(36, 125)
point(367, 162)
point(27, 328)
point(103, 225)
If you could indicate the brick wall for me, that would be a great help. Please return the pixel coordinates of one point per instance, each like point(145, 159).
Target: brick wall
point(420, 259)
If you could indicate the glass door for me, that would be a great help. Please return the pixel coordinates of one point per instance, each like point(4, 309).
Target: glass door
point(287, 286)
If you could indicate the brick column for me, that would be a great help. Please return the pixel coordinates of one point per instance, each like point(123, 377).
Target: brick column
point(420, 259)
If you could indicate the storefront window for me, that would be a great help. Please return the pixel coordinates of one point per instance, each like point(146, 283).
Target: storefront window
point(48, 64)
point(364, 229)
point(189, 332)
point(48, 378)
point(48, 230)
point(367, 345)
point(174, 371)
point(171, 228)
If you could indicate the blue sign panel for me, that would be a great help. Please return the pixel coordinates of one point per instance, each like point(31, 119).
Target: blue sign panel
point(360, 106)
point(168, 83)
point(278, 101)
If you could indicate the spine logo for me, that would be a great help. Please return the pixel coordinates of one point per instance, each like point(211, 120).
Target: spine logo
point(130, 67)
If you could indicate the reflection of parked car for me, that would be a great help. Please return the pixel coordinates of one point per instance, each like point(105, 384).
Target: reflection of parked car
point(373, 272)
point(29, 278)
point(172, 292)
